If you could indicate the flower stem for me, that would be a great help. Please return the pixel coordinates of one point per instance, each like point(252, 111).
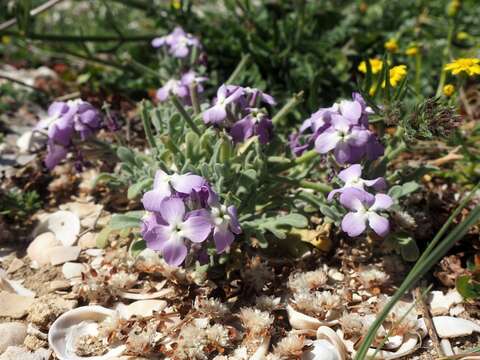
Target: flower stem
point(306, 157)
point(323, 188)
point(418, 71)
point(194, 98)
point(446, 55)
point(146, 125)
point(241, 65)
point(184, 114)
point(289, 106)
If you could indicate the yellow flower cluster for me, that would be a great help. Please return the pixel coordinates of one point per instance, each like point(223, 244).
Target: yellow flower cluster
point(396, 74)
point(470, 66)
point(375, 64)
point(391, 45)
point(412, 51)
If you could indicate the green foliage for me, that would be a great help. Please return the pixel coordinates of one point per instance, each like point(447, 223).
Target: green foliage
point(17, 205)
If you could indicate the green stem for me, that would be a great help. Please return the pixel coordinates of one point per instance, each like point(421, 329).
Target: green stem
point(194, 97)
point(418, 71)
point(184, 114)
point(306, 157)
point(323, 188)
point(241, 65)
point(446, 55)
point(289, 106)
point(82, 38)
point(146, 125)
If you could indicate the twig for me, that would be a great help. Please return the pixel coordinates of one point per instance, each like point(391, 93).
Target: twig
point(432, 332)
point(289, 106)
point(8, 78)
point(34, 12)
point(451, 156)
point(241, 65)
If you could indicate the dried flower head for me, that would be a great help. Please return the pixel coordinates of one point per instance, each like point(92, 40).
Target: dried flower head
point(256, 322)
point(257, 274)
point(211, 307)
point(319, 304)
point(290, 347)
point(267, 303)
point(370, 277)
point(307, 281)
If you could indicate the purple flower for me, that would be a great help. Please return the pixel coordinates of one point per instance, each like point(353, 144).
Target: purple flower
point(164, 186)
point(180, 88)
point(255, 123)
point(351, 179)
point(225, 96)
point(225, 223)
point(178, 42)
point(345, 139)
point(257, 96)
point(167, 231)
point(63, 121)
point(364, 210)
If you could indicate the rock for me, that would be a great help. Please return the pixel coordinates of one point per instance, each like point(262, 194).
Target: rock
point(88, 240)
point(38, 250)
point(14, 306)
point(15, 265)
point(18, 353)
point(59, 285)
point(12, 334)
point(47, 308)
point(62, 254)
point(33, 343)
point(440, 304)
point(72, 270)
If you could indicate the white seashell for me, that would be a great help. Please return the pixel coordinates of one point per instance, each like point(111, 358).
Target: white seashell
point(73, 270)
point(141, 308)
point(30, 141)
point(440, 304)
point(327, 333)
point(446, 347)
point(38, 249)
point(301, 321)
point(262, 350)
point(81, 321)
point(451, 327)
point(14, 286)
point(146, 296)
point(410, 345)
point(393, 342)
point(64, 224)
point(62, 254)
point(321, 350)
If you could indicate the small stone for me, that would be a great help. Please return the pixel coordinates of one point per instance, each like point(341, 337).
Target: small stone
point(14, 306)
point(38, 250)
point(72, 270)
point(12, 334)
point(88, 240)
point(59, 285)
point(33, 343)
point(47, 308)
point(61, 254)
point(15, 265)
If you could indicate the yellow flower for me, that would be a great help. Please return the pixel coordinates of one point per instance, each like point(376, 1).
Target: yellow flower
point(462, 35)
point(375, 64)
point(412, 51)
point(391, 45)
point(176, 4)
point(396, 73)
point(471, 66)
point(6, 40)
point(448, 90)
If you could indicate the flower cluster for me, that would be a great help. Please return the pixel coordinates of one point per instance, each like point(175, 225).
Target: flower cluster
point(469, 66)
point(184, 207)
point(343, 129)
point(178, 42)
point(64, 120)
point(364, 207)
point(181, 88)
point(238, 109)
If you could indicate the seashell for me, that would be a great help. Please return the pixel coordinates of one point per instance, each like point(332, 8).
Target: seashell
point(71, 270)
point(446, 347)
point(146, 296)
point(38, 250)
point(300, 321)
point(411, 344)
point(14, 286)
point(393, 342)
point(440, 304)
point(262, 350)
point(64, 224)
point(326, 333)
point(79, 322)
point(321, 350)
point(141, 308)
point(450, 327)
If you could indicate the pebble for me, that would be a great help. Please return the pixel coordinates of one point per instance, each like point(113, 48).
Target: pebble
point(15, 265)
point(12, 334)
point(38, 250)
point(14, 306)
point(88, 240)
point(61, 254)
point(47, 308)
point(72, 270)
point(59, 285)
